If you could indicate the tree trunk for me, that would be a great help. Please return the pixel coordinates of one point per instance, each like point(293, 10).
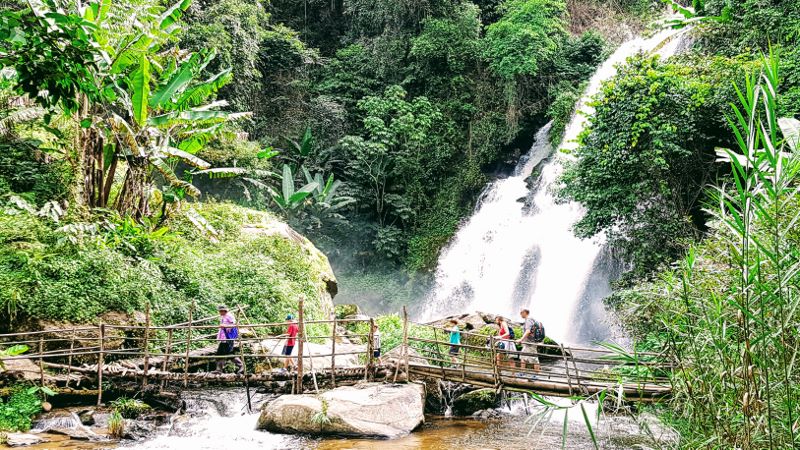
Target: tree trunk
point(134, 198)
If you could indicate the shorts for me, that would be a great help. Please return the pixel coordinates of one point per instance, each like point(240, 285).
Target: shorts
point(454, 349)
point(530, 348)
point(287, 350)
point(225, 348)
point(376, 353)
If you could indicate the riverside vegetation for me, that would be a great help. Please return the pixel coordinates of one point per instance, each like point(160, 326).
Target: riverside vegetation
point(141, 139)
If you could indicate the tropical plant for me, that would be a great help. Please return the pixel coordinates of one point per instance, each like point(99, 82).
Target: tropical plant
point(116, 425)
point(14, 350)
point(129, 408)
point(327, 203)
point(726, 313)
point(290, 199)
point(24, 402)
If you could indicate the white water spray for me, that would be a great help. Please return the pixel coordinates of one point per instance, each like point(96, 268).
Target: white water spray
point(518, 250)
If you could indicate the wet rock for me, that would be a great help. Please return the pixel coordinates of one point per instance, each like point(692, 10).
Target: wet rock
point(78, 434)
point(474, 401)
point(369, 409)
point(138, 430)
point(87, 417)
point(487, 414)
point(23, 439)
point(20, 369)
point(101, 419)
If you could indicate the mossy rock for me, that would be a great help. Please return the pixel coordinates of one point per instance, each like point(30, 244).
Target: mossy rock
point(343, 311)
point(469, 403)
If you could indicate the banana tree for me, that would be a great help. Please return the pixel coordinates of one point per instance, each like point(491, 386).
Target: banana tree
point(164, 116)
point(289, 199)
point(160, 111)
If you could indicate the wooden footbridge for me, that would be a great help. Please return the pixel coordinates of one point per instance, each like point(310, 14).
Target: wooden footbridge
point(335, 352)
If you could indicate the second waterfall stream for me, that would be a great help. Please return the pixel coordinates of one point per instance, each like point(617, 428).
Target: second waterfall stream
point(518, 249)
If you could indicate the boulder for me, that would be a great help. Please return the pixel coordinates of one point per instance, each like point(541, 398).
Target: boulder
point(138, 430)
point(20, 369)
point(471, 402)
point(369, 410)
point(22, 439)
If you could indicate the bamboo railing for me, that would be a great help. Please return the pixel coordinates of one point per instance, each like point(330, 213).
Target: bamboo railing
point(173, 354)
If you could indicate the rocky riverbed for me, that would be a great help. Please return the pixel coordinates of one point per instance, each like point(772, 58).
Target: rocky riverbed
point(214, 419)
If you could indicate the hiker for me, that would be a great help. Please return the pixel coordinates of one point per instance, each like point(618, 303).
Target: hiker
point(376, 343)
point(291, 334)
point(226, 334)
point(533, 333)
point(455, 341)
point(505, 338)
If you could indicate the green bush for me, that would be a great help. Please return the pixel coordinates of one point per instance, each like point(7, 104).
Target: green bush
point(19, 409)
point(51, 271)
point(130, 408)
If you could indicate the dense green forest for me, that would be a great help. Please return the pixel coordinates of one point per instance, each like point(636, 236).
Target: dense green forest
point(138, 137)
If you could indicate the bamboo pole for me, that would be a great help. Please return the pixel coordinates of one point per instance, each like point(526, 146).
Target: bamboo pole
point(577, 373)
point(188, 347)
point(566, 368)
point(146, 343)
point(101, 333)
point(333, 353)
point(370, 348)
point(41, 361)
point(495, 374)
point(165, 362)
point(463, 363)
point(244, 369)
point(69, 358)
point(405, 340)
point(300, 336)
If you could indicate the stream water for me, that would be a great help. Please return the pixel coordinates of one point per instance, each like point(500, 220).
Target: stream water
point(217, 419)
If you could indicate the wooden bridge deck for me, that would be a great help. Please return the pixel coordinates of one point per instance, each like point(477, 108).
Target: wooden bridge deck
point(180, 354)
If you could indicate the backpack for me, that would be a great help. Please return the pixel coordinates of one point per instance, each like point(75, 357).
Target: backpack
point(538, 331)
point(511, 332)
point(231, 333)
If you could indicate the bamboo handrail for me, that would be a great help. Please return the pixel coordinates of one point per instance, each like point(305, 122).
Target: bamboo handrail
point(478, 365)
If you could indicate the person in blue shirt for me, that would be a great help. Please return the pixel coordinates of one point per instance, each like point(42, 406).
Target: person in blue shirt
point(455, 341)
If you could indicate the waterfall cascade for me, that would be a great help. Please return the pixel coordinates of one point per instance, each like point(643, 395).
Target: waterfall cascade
point(518, 250)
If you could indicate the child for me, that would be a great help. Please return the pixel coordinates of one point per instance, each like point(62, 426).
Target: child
point(455, 341)
point(376, 343)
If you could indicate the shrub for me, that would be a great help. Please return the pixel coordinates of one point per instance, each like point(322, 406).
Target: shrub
point(129, 408)
point(22, 405)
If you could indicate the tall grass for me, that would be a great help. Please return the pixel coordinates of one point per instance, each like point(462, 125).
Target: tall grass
point(730, 312)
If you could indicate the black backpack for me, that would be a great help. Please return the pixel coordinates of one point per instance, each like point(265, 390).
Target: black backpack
point(538, 331)
point(511, 332)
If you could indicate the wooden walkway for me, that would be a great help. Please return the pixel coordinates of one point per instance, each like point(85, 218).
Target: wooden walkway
point(180, 355)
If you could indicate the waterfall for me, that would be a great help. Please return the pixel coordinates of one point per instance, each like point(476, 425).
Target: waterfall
point(518, 250)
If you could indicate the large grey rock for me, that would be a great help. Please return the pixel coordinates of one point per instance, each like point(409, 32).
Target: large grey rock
point(369, 409)
point(23, 439)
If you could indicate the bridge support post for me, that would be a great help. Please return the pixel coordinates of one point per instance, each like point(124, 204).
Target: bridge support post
point(188, 347)
point(566, 369)
point(301, 333)
point(333, 353)
point(69, 358)
point(370, 349)
point(165, 363)
point(146, 343)
point(101, 335)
